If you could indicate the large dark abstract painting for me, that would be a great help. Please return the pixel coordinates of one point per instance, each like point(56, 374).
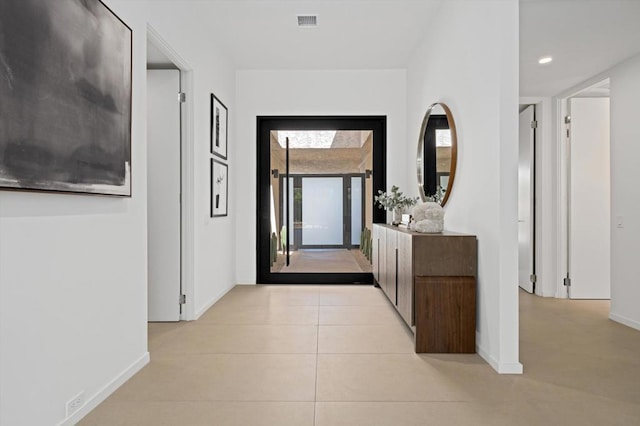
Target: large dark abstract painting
point(65, 97)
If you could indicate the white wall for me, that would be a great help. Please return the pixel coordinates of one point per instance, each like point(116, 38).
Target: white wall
point(475, 72)
point(309, 93)
point(72, 290)
point(73, 268)
point(625, 192)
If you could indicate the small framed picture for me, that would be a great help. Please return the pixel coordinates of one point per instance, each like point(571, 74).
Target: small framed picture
point(219, 125)
point(219, 188)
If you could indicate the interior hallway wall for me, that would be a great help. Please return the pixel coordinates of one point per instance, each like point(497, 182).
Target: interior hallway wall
point(625, 192)
point(475, 72)
point(73, 268)
point(213, 72)
point(351, 92)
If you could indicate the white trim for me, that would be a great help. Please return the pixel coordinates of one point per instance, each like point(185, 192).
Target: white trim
point(501, 368)
point(586, 84)
point(625, 321)
point(188, 198)
point(560, 110)
point(510, 368)
point(106, 391)
point(187, 172)
point(485, 355)
point(213, 301)
point(531, 100)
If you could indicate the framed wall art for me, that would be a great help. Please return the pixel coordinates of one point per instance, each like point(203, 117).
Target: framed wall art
point(219, 188)
point(65, 97)
point(219, 125)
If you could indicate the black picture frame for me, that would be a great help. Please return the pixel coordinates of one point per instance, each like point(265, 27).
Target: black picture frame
point(66, 112)
point(219, 135)
point(219, 189)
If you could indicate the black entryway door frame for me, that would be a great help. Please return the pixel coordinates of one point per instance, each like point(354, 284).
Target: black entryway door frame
point(267, 124)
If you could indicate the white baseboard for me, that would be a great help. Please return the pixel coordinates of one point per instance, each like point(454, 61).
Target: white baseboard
point(485, 355)
point(204, 309)
point(624, 320)
point(500, 367)
point(209, 304)
point(510, 368)
point(107, 390)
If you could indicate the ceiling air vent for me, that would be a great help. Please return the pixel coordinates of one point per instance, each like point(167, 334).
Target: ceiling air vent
point(307, 21)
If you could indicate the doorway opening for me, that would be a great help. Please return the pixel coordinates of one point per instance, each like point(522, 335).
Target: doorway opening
point(587, 211)
point(526, 198)
point(316, 181)
point(169, 184)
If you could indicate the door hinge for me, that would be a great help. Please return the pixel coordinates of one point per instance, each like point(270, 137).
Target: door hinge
point(183, 299)
point(567, 282)
point(182, 97)
point(534, 124)
point(567, 119)
point(533, 278)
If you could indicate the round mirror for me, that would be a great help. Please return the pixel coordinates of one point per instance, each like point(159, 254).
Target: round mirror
point(437, 154)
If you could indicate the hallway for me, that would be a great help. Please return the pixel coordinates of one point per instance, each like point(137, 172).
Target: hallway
point(339, 355)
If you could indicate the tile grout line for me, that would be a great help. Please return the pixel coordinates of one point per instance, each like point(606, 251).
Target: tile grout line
point(315, 394)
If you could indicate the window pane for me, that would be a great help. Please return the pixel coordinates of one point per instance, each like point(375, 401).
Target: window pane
point(356, 210)
point(322, 211)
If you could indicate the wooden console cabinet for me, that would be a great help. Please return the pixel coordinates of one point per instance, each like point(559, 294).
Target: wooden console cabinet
point(430, 280)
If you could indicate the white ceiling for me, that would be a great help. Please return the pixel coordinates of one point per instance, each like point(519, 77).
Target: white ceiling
point(351, 34)
point(585, 37)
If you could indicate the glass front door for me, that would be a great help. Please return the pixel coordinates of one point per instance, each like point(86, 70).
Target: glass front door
point(325, 211)
point(320, 188)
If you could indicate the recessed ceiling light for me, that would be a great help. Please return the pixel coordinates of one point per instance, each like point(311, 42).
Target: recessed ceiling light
point(545, 60)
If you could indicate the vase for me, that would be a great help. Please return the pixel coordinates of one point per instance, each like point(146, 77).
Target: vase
point(397, 215)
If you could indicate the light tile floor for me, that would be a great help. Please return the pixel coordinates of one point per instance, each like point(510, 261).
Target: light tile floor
point(334, 355)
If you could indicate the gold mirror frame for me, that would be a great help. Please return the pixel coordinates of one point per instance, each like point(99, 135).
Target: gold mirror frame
point(454, 152)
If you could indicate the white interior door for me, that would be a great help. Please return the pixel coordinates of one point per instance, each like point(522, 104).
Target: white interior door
point(590, 203)
point(163, 194)
point(525, 204)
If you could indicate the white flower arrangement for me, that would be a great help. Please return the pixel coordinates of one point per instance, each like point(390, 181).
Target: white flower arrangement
point(394, 200)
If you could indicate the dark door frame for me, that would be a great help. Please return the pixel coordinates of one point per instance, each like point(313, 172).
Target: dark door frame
point(266, 124)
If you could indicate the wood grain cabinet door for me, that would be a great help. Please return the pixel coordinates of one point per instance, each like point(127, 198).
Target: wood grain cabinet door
point(391, 268)
point(446, 314)
point(382, 259)
point(375, 252)
point(405, 277)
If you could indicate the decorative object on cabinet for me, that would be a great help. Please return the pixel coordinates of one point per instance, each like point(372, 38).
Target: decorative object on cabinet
point(396, 201)
point(430, 280)
point(219, 188)
point(65, 97)
point(219, 125)
point(437, 154)
point(429, 217)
